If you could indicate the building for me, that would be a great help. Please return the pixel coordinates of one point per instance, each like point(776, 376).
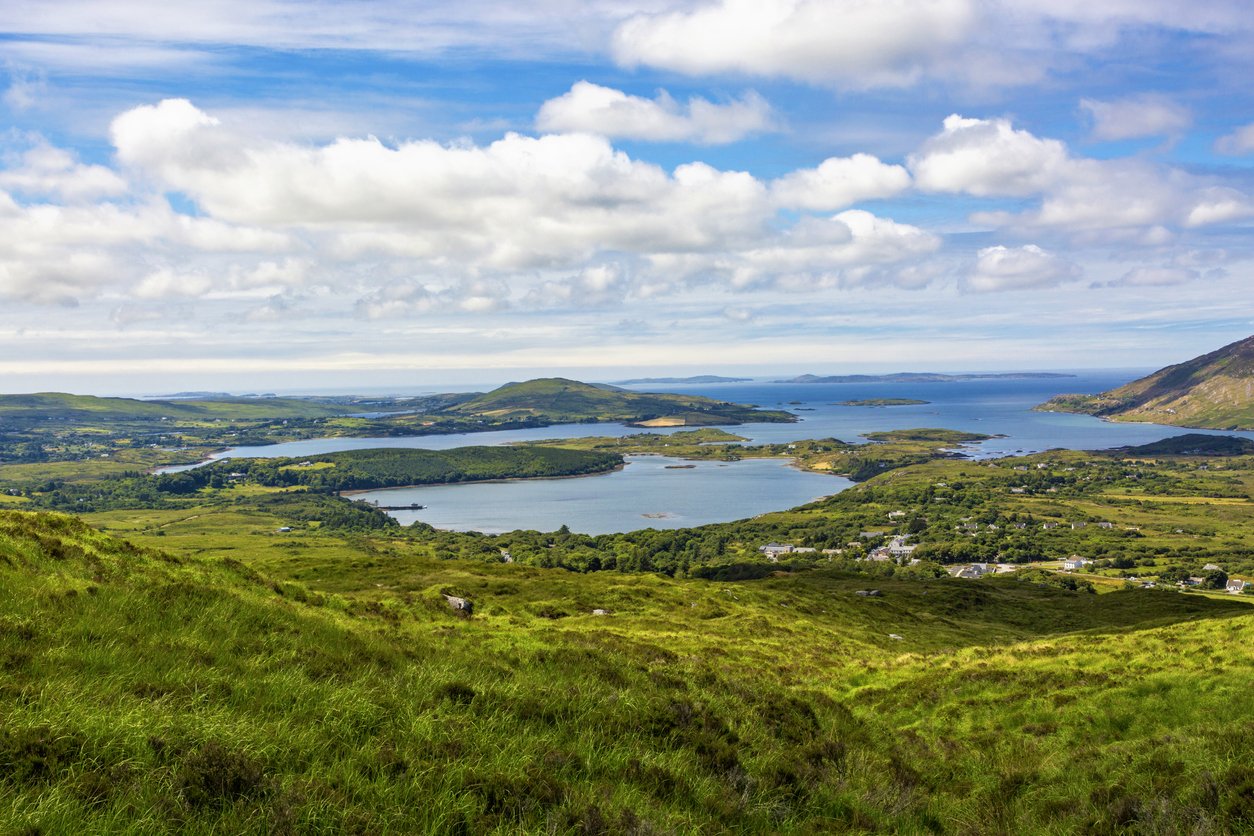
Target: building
point(1236, 586)
point(1075, 562)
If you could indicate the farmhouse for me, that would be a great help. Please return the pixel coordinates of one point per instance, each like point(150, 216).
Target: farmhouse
point(1075, 562)
point(1236, 586)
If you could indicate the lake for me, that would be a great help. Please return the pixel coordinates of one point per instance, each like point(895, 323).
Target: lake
point(718, 492)
point(650, 492)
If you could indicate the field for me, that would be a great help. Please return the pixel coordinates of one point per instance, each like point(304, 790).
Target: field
point(155, 693)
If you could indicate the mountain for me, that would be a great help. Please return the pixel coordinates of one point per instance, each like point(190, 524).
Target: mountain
point(700, 378)
point(1214, 391)
point(559, 400)
point(921, 377)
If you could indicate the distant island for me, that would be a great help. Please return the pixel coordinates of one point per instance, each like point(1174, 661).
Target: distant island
point(700, 378)
point(921, 377)
point(1213, 391)
point(883, 402)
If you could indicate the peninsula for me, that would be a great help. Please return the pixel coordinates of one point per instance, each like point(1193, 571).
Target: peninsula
point(1213, 391)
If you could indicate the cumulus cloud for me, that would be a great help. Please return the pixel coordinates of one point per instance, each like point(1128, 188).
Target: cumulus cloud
point(839, 182)
point(591, 108)
point(1240, 141)
point(844, 250)
point(843, 42)
point(550, 203)
point(1019, 268)
point(403, 299)
point(1136, 116)
point(596, 286)
point(45, 171)
point(862, 44)
point(166, 284)
point(991, 158)
point(987, 157)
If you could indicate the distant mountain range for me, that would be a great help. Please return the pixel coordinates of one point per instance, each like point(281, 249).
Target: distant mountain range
point(921, 377)
point(700, 378)
point(558, 400)
point(1214, 391)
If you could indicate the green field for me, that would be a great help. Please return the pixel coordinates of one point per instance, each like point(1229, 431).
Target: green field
point(151, 693)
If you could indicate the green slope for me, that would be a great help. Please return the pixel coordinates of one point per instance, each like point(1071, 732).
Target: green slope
point(148, 693)
point(557, 399)
point(1213, 391)
point(58, 406)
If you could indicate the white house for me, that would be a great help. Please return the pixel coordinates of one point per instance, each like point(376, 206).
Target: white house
point(1236, 586)
point(1075, 562)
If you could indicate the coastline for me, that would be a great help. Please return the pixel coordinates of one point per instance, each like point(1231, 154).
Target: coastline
point(357, 491)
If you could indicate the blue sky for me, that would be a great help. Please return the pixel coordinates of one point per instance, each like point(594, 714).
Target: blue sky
point(280, 195)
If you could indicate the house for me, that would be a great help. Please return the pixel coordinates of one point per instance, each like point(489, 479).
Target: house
point(285, 529)
point(871, 535)
point(1018, 490)
point(1020, 526)
point(1079, 525)
point(1106, 525)
point(879, 555)
point(898, 547)
point(833, 551)
point(894, 515)
point(804, 550)
point(774, 550)
point(1212, 567)
point(970, 571)
point(1049, 526)
point(1236, 586)
point(1075, 562)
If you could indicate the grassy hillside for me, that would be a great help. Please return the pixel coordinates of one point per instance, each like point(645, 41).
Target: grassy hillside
point(158, 694)
point(557, 399)
point(1214, 391)
point(58, 406)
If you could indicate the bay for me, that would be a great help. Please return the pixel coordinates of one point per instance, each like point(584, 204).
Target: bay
point(650, 492)
point(719, 492)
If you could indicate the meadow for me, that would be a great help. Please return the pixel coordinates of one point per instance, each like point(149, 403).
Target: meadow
point(150, 692)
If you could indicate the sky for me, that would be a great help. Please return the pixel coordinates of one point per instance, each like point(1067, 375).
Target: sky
point(284, 196)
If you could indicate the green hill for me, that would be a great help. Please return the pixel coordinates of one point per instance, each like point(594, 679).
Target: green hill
point(151, 693)
point(1214, 391)
point(58, 406)
point(558, 400)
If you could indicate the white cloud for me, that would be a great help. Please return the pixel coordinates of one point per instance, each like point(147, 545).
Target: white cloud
point(839, 182)
point(1164, 276)
point(1022, 268)
point(591, 108)
point(1136, 116)
point(1240, 141)
point(167, 284)
point(599, 285)
point(45, 171)
point(404, 299)
point(827, 42)
point(987, 157)
point(861, 44)
point(990, 158)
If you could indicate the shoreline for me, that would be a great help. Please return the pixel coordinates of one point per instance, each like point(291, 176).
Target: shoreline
point(356, 491)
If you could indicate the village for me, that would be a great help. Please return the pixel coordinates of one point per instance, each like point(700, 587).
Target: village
point(899, 551)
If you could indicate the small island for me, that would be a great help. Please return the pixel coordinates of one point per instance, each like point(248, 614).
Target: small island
point(883, 402)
